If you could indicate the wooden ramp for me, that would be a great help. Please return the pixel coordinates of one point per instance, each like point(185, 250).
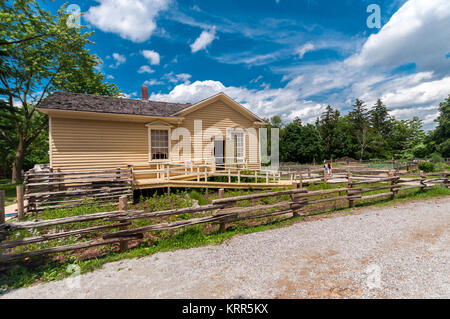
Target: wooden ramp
point(152, 183)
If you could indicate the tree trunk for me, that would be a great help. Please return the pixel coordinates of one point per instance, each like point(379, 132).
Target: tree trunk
point(17, 166)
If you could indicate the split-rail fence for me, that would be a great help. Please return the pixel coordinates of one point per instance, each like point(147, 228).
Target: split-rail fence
point(117, 226)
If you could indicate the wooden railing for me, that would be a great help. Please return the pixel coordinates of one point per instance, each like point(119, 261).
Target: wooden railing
point(117, 227)
point(201, 171)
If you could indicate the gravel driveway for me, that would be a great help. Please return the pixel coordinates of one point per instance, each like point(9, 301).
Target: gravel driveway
point(401, 251)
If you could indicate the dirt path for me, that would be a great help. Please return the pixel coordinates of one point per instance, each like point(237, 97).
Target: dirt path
point(397, 251)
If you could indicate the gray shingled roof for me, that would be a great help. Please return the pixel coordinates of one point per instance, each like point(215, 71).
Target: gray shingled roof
point(106, 104)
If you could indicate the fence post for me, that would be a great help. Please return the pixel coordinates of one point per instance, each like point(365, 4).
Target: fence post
point(296, 205)
point(392, 182)
point(2, 207)
point(445, 178)
point(422, 179)
point(309, 172)
point(222, 223)
point(301, 178)
point(239, 175)
point(123, 206)
point(349, 185)
point(324, 176)
point(20, 204)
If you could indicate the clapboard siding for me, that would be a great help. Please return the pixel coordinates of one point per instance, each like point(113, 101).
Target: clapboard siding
point(222, 116)
point(80, 144)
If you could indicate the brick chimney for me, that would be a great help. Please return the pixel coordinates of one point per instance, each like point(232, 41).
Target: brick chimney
point(144, 92)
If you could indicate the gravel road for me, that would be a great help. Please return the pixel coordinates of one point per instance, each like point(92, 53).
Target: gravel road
point(400, 251)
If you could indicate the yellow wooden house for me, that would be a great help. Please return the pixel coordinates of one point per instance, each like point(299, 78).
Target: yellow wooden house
point(89, 132)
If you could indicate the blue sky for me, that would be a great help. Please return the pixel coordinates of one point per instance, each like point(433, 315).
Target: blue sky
point(288, 58)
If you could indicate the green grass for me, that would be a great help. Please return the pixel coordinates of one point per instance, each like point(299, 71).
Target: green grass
point(10, 191)
point(189, 237)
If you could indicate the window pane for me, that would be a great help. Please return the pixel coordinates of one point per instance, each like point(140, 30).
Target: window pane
point(159, 144)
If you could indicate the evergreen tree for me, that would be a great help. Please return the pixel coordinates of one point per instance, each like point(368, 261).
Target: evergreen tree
point(327, 127)
point(360, 125)
point(380, 129)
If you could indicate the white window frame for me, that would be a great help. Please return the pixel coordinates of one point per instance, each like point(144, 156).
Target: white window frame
point(159, 127)
point(244, 153)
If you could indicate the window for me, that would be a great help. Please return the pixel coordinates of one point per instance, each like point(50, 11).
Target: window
point(159, 144)
point(238, 141)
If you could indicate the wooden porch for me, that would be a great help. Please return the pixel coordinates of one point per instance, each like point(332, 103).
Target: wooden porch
point(198, 173)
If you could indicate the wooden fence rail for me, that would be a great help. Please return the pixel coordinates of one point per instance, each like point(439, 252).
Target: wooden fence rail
point(50, 189)
point(221, 211)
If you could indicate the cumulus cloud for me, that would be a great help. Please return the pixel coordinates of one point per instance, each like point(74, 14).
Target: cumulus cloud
point(415, 33)
point(118, 60)
point(265, 103)
point(205, 38)
point(414, 37)
point(145, 69)
point(152, 56)
point(130, 19)
point(176, 78)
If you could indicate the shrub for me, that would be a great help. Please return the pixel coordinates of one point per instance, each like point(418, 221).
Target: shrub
point(199, 198)
point(427, 167)
point(420, 151)
point(436, 157)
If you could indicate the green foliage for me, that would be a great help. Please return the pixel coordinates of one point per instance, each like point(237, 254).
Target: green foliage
point(189, 237)
point(436, 157)
point(300, 143)
point(328, 130)
point(197, 196)
point(10, 191)
point(427, 167)
point(441, 135)
point(39, 53)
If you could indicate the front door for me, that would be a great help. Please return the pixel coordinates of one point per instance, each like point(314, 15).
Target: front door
point(219, 154)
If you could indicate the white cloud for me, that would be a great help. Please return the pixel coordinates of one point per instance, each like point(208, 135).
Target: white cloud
point(152, 56)
point(145, 69)
point(305, 48)
point(118, 60)
point(421, 94)
point(255, 80)
point(128, 95)
point(205, 38)
point(153, 82)
point(176, 78)
point(265, 103)
point(415, 33)
point(131, 19)
point(413, 37)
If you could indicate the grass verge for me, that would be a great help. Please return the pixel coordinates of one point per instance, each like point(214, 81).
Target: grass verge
point(190, 237)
